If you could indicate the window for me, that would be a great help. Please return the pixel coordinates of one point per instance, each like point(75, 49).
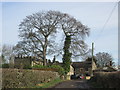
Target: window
point(81, 69)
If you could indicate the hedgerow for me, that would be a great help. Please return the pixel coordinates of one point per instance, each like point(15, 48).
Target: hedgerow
point(56, 68)
point(106, 79)
point(18, 78)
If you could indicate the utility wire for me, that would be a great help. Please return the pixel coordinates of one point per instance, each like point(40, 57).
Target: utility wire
point(107, 21)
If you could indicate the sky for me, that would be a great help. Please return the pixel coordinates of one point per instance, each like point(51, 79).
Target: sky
point(92, 14)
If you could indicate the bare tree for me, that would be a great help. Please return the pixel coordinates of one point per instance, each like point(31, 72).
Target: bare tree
point(74, 45)
point(35, 31)
point(77, 31)
point(7, 52)
point(104, 59)
point(21, 48)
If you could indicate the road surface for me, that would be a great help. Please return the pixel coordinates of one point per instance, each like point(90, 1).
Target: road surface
point(73, 84)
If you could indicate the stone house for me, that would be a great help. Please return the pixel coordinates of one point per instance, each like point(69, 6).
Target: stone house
point(85, 68)
point(26, 62)
point(78, 68)
point(105, 69)
point(71, 72)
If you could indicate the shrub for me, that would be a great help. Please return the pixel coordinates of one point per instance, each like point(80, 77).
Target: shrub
point(5, 65)
point(106, 79)
point(0, 65)
point(56, 68)
point(27, 67)
point(39, 66)
point(60, 69)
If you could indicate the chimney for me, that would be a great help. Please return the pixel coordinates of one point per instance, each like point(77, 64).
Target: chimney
point(110, 63)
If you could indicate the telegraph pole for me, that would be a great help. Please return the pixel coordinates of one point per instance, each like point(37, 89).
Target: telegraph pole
point(92, 50)
point(92, 58)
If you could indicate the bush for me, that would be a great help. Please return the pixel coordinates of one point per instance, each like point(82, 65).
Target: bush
point(5, 65)
point(27, 67)
point(39, 67)
point(60, 69)
point(56, 68)
point(106, 79)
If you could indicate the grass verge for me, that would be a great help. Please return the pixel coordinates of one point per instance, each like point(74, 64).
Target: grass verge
point(49, 84)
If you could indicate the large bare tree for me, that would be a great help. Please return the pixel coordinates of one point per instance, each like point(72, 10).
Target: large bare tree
point(104, 59)
point(35, 31)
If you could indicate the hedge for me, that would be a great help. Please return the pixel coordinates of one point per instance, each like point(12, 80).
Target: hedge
point(107, 79)
point(56, 68)
point(22, 78)
point(5, 65)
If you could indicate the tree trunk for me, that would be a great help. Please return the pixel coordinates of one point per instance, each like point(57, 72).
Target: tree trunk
point(44, 57)
point(44, 52)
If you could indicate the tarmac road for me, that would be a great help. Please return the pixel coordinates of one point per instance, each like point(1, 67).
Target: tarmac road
point(82, 84)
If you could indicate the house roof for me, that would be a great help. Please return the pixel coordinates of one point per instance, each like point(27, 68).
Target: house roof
point(84, 64)
point(106, 69)
point(28, 58)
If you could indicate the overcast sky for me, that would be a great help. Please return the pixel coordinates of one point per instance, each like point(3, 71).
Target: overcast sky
point(92, 14)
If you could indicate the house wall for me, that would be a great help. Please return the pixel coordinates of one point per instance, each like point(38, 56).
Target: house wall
point(85, 68)
point(82, 71)
point(22, 62)
point(77, 71)
point(36, 63)
point(71, 72)
point(94, 66)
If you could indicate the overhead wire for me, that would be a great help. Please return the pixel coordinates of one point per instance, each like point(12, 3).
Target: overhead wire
point(106, 22)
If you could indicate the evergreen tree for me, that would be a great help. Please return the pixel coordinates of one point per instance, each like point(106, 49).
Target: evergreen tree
point(67, 55)
point(54, 59)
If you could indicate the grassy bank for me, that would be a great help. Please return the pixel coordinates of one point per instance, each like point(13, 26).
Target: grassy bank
point(49, 84)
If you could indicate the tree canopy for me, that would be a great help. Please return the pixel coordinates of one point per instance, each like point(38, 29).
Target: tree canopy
point(104, 59)
point(36, 32)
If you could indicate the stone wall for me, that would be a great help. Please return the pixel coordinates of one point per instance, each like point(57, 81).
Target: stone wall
point(23, 78)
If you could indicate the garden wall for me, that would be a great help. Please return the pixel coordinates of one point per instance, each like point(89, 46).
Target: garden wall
point(18, 78)
point(107, 79)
